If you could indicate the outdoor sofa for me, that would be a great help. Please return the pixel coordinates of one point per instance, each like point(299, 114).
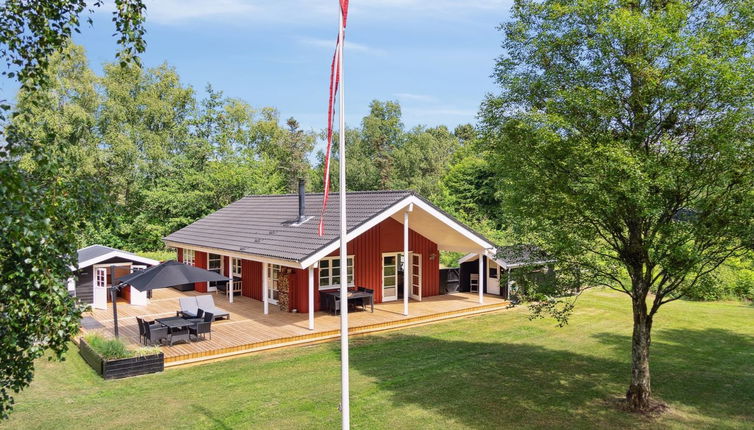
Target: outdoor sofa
point(190, 307)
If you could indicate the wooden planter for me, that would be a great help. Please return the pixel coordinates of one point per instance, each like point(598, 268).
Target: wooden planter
point(121, 367)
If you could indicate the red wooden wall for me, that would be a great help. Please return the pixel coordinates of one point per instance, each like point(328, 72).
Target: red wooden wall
point(200, 260)
point(367, 250)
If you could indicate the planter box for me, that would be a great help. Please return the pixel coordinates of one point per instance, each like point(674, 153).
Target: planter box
point(121, 367)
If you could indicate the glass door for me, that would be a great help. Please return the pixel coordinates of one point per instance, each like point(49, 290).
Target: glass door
point(214, 264)
point(416, 276)
point(273, 274)
point(392, 276)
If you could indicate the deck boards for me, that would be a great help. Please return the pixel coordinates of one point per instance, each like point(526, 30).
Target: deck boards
point(249, 329)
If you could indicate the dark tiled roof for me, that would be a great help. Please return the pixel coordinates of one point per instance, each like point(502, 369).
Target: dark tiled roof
point(262, 225)
point(522, 255)
point(94, 251)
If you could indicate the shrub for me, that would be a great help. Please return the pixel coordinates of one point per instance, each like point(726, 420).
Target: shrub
point(108, 348)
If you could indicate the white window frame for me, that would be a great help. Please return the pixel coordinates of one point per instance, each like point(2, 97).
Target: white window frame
point(189, 257)
point(236, 263)
point(212, 286)
point(328, 262)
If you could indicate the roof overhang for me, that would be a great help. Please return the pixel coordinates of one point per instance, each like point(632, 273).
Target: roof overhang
point(117, 254)
point(424, 219)
point(236, 254)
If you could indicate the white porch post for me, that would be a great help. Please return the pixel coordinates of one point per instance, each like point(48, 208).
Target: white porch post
point(232, 283)
point(264, 288)
point(311, 297)
point(406, 264)
point(481, 277)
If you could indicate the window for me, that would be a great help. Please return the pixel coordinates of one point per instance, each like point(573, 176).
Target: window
point(214, 262)
point(273, 275)
point(188, 257)
point(329, 272)
point(493, 272)
point(236, 265)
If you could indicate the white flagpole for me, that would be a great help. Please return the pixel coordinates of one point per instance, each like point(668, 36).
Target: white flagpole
point(344, 402)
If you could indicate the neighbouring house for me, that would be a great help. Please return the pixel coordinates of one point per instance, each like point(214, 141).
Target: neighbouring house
point(270, 247)
point(502, 270)
point(92, 277)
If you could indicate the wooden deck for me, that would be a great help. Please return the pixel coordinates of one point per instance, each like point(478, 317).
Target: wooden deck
point(249, 330)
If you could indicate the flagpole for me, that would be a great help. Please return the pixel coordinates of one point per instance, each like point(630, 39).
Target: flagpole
point(344, 402)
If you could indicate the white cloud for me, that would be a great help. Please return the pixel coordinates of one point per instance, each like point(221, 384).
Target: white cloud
point(350, 46)
point(415, 97)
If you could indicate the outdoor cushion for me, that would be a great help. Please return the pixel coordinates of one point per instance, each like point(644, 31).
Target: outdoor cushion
point(207, 303)
point(189, 306)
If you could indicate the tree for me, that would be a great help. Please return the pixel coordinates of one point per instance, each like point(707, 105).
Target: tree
point(622, 137)
point(40, 205)
point(382, 132)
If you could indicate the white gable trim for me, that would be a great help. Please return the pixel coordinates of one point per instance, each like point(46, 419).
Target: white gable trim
point(117, 254)
point(387, 213)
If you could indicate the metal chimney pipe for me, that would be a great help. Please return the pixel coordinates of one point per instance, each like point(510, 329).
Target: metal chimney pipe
point(301, 200)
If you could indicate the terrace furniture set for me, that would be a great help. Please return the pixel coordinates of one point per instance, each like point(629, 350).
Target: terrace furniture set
point(194, 319)
point(359, 296)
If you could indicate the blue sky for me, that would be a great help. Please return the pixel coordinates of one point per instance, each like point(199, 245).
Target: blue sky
point(434, 56)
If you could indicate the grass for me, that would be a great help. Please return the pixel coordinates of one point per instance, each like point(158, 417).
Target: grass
point(493, 371)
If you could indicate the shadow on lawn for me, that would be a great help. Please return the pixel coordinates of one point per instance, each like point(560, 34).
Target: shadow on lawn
point(711, 370)
point(511, 385)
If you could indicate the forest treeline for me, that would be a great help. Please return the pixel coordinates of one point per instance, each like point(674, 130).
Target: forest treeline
point(161, 154)
point(157, 155)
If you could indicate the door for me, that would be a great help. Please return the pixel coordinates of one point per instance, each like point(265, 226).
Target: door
point(273, 274)
point(138, 298)
point(99, 299)
point(390, 276)
point(416, 276)
point(493, 278)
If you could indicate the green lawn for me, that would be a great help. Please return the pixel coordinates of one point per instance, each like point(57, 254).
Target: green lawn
point(492, 371)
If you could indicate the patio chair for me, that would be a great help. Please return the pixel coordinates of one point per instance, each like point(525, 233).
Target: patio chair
point(201, 329)
point(189, 307)
point(207, 303)
point(209, 317)
point(200, 313)
point(142, 330)
point(155, 333)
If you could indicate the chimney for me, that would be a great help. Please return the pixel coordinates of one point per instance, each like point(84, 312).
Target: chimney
point(301, 201)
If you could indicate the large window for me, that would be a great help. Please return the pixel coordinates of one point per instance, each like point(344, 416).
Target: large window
point(188, 257)
point(329, 272)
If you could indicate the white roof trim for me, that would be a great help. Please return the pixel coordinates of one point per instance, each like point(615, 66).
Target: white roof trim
point(387, 213)
point(473, 256)
point(116, 254)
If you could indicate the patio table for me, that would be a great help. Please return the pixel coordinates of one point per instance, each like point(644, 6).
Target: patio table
point(353, 295)
point(177, 324)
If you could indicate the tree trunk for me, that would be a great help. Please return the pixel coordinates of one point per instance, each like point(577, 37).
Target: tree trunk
point(640, 389)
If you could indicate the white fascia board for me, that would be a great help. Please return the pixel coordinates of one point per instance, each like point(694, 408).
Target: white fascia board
point(236, 254)
point(452, 223)
point(468, 257)
point(358, 231)
point(408, 201)
point(118, 254)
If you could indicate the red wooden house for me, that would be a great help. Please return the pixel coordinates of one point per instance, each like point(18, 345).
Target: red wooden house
point(258, 240)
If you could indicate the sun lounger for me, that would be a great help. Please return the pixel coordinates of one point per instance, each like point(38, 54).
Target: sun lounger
point(207, 304)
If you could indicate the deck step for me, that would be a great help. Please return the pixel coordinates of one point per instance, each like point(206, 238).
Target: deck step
point(322, 336)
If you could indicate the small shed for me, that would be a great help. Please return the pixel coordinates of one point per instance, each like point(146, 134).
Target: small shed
point(503, 269)
point(91, 278)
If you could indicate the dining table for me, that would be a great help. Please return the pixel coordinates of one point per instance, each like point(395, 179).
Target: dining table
point(177, 327)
